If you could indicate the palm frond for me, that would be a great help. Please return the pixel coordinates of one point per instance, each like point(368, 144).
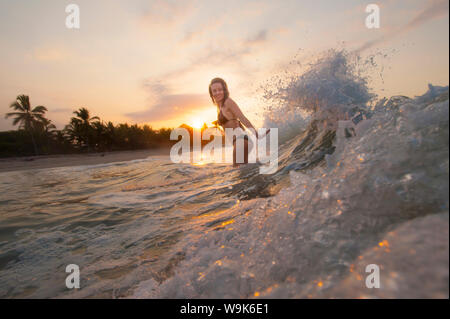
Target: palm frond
point(12, 114)
point(16, 106)
point(17, 120)
point(24, 101)
point(40, 109)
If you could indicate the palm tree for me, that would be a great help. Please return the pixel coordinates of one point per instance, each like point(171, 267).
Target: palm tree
point(26, 116)
point(45, 125)
point(82, 124)
point(72, 131)
point(61, 138)
point(100, 135)
point(49, 129)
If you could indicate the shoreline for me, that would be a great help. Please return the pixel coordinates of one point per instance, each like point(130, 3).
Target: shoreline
point(11, 164)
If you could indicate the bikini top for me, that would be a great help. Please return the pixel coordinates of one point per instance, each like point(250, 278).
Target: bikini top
point(222, 120)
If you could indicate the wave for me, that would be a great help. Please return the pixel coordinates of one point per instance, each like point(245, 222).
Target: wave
point(360, 180)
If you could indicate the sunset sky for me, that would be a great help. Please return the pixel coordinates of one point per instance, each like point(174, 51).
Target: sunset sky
point(150, 62)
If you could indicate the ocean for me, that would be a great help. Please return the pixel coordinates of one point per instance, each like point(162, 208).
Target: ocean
point(344, 196)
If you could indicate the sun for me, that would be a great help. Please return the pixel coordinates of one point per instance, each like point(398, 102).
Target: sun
point(197, 123)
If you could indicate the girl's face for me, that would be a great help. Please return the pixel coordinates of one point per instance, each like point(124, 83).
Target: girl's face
point(217, 92)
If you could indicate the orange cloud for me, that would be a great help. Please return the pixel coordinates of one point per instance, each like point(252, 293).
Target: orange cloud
point(168, 105)
point(50, 54)
point(167, 13)
point(434, 10)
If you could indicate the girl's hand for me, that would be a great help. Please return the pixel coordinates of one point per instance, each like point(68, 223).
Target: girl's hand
point(267, 132)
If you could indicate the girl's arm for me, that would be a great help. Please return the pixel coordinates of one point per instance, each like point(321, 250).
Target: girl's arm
point(239, 115)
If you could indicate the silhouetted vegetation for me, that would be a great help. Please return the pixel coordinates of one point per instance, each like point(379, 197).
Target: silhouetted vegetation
point(37, 135)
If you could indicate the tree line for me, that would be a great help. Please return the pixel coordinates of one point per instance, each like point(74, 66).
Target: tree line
point(37, 135)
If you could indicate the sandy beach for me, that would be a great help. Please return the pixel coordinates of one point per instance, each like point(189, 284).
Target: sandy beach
point(48, 161)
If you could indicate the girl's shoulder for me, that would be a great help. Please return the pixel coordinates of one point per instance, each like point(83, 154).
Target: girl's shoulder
point(228, 102)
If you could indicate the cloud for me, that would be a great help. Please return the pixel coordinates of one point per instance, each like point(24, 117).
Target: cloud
point(167, 13)
point(286, 30)
point(260, 37)
point(223, 55)
point(171, 106)
point(434, 10)
point(167, 105)
point(61, 110)
point(229, 55)
point(224, 18)
point(50, 54)
point(155, 88)
point(209, 27)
